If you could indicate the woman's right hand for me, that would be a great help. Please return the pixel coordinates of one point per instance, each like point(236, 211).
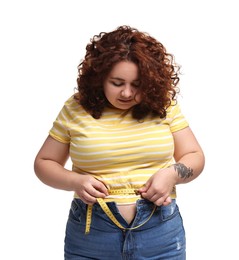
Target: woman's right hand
point(89, 188)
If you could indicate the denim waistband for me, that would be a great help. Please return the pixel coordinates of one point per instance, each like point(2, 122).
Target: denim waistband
point(141, 204)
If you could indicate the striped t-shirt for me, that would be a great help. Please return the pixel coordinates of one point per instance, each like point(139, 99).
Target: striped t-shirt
point(116, 149)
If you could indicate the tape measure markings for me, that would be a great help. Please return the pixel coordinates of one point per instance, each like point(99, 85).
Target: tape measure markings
point(108, 212)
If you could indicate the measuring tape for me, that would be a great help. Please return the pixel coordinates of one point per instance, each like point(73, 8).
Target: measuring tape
point(108, 212)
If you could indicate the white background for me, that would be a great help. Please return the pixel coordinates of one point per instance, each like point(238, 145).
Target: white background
point(42, 42)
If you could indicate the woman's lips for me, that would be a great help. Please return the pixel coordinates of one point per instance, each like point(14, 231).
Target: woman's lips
point(125, 100)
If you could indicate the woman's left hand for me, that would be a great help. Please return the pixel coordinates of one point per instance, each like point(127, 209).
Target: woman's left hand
point(159, 187)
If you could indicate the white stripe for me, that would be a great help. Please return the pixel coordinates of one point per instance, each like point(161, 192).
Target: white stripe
point(97, 164)
point(110, 154)
point(93, 124)
point(87, 146)
point(59, 133)
point(127, 136)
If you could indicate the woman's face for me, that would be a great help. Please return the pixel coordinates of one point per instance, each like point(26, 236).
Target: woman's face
point(121, 85)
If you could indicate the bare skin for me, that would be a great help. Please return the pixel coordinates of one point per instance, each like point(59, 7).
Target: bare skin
point(50, 161)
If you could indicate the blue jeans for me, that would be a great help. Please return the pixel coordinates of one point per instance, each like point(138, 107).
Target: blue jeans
point(161, 238)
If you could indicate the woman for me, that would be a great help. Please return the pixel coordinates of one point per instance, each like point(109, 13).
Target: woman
point(130, 146)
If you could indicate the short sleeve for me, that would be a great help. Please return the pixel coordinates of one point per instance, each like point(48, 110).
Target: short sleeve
point(60, 130)
point(175, 118)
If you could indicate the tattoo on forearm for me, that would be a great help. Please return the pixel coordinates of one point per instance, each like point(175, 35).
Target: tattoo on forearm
point(183, 171)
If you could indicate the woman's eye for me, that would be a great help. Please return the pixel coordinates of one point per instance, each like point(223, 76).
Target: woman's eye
point(135, 85)
point(117, 84)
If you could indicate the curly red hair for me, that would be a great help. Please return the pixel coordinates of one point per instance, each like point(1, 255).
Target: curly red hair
point(158, 73)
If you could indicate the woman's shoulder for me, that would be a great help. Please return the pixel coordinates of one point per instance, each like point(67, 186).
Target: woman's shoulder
point(173, 108)
point(73, 102)
point(73, 107)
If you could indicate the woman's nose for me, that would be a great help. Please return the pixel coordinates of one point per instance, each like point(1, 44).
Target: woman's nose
point(127, 92)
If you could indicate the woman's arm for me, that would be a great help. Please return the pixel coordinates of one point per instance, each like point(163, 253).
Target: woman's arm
point(189, 163)
point(49, 168)
point(188, 155)
point(49, 164)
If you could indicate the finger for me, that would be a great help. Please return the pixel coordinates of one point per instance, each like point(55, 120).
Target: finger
point(87, 198)
point(152, 194)
point(99, 186)
point(167, 201)
point(159, 201)
point(150, 197)
point(95, 193)
point(89, 202)
point(144, 188)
